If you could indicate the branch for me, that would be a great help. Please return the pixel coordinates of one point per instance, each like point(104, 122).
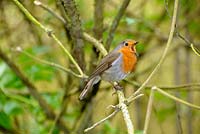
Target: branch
point(101, 121)
point(75, 30)
point(149, 109)
point(123, 107)
point(165, 51)
point(49, 32)
point(96, 43)
point(18, 98)
point(196, 51)
point(175, 87)
point(177, 99)
point(115, 23)
point(98, 16)
point(19, 49)
point(45, 7)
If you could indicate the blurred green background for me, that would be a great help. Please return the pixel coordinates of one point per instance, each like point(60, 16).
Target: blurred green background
point(147, 21)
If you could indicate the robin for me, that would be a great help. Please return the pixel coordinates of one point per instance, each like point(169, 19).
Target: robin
point(115, 66)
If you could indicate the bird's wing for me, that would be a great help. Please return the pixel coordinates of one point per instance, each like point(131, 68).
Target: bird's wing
point(105, 63)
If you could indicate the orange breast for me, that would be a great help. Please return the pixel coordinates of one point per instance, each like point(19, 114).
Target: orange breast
point(129, 60)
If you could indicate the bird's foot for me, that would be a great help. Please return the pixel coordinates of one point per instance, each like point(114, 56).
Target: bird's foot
point(117, 86)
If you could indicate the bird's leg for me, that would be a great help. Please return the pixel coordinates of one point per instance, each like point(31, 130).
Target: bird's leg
point(117, 86)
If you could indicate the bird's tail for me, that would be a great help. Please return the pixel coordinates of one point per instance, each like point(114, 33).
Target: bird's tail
point(88, 87)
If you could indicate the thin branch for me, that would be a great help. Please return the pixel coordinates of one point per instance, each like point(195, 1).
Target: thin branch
point(115, 23)
point(19, 49)
point(49, 32)
point(101, 121)
point(149, 109)
point(18, 98)
point(196, 51)
point(165, 51)
point(96, 43)
point(177, 99)
point(123, 107)
point(51, 11)
point(175, 87)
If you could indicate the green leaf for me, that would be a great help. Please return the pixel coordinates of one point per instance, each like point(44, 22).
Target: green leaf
point(12, 108)
point(8, 79)
point(5, 121)
point(140, 48)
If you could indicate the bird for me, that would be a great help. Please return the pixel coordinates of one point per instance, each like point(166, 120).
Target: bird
point(115, 66)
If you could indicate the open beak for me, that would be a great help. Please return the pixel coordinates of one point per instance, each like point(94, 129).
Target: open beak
point(136, 42)
point(135, 49)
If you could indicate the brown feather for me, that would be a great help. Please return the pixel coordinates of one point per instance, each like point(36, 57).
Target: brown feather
point(105, 64)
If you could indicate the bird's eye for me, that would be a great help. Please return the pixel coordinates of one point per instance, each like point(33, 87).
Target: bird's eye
point(126, 43)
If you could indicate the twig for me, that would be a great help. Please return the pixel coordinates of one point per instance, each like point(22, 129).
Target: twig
point(19, 49)
point(115, 23)
point(18, 97)
point(175, 87)
point(177, 99)
point(149, 109)
point(95, 42)
point(39, 3)
point(101, 121)
point(165, 51)
point(123, 107)
point(49, 32)
point(195, 50)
